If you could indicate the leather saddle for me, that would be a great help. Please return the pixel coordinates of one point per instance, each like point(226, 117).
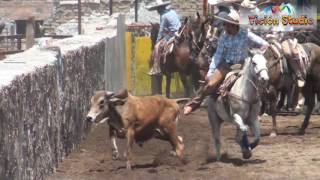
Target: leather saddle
point(229, 81)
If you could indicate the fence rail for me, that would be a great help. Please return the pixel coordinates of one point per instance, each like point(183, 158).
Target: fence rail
point(11, 42)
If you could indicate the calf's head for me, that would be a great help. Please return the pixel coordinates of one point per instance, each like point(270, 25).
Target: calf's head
point(102, 103)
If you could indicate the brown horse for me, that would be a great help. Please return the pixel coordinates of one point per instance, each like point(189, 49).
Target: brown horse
point(312, 85)
point(280, 82)
point(179, 60)
point(209, 47)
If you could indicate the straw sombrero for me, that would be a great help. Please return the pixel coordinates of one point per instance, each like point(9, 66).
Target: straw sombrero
point(232, 17)
point(158, 4)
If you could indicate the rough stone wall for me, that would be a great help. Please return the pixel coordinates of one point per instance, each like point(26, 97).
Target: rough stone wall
point(42, 112)
point(122, 5)
point(187, 7)
point(67, 12)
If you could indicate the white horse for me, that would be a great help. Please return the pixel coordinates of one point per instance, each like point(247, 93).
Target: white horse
point(242, 106)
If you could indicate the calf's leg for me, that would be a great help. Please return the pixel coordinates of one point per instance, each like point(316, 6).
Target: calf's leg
point(130, 140)
point(113, 136)
point(170, 125)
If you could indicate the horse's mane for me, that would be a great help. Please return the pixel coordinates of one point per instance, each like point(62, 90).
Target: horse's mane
point(268, 54)
point(246, 65)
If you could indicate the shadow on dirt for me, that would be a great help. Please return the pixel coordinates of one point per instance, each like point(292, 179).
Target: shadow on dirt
point(138, 166)
point(235, 161)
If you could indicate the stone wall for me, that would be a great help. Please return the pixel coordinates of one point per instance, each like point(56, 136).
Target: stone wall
point(188, 7)
point(43, 103)
point(67, 12)
point(23, 10)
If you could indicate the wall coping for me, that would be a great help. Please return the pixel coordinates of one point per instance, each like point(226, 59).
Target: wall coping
point(35, 57)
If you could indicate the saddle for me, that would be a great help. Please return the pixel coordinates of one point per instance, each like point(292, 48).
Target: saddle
point(228, 81)
point(161, 50)
point(167, 48)
point(294, 49)
point(277, 50)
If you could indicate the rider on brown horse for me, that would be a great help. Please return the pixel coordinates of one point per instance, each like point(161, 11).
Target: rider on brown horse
point(169, 25)
point(232, 49)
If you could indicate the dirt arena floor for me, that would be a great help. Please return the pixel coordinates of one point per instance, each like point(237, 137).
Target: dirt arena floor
point(287, 156)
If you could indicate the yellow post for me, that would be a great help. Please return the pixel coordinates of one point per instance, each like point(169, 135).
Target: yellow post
point(142, 79)
point(129, 64)
point(142, 56)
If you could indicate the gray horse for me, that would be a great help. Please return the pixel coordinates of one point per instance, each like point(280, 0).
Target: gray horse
point(241, 106)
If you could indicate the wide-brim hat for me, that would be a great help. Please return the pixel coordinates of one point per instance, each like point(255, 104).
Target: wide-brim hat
point(158, 4)
point(232, 17)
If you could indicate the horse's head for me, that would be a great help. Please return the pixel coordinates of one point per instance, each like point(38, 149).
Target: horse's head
point(259, 68)
point(194, 29)
point(154, 33)
point(210, 34)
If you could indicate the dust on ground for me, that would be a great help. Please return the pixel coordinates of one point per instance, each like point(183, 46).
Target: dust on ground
point(287, 156)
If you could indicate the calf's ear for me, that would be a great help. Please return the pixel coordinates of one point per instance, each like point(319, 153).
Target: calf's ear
point(122, 94)
point(109, 94)
point(117, 102)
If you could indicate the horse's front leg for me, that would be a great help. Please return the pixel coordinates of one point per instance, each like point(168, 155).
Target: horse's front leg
point(281, 101)
point(273, 113)
point(185, 83)
point(274, 120)
point(168, 84)
point(255, 128)
point(254, 124)
point(309, 102)
point(156, 84)
point(196, 77)
point(113, 136)
point(241, 136)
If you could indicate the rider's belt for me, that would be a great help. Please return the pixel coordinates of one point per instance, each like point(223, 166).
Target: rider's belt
point(237, 62)
point(170, 33)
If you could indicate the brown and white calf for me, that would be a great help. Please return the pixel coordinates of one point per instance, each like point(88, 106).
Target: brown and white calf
point(141, 119)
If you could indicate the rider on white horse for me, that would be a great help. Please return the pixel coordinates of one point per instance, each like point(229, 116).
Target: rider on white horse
point(232, 49)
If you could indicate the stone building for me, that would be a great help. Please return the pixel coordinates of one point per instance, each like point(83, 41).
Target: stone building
point(52, 13)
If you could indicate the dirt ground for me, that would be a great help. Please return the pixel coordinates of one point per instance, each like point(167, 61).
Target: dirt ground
point(287, 156)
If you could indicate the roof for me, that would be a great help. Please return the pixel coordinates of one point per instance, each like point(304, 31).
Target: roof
point(23, 11)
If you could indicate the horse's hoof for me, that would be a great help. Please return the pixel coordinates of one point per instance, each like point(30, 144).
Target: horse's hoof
point(173, 153)
point(246, 154)
point(140, 144)
point(115, 155)
point(129, 166)
point(273, 134)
